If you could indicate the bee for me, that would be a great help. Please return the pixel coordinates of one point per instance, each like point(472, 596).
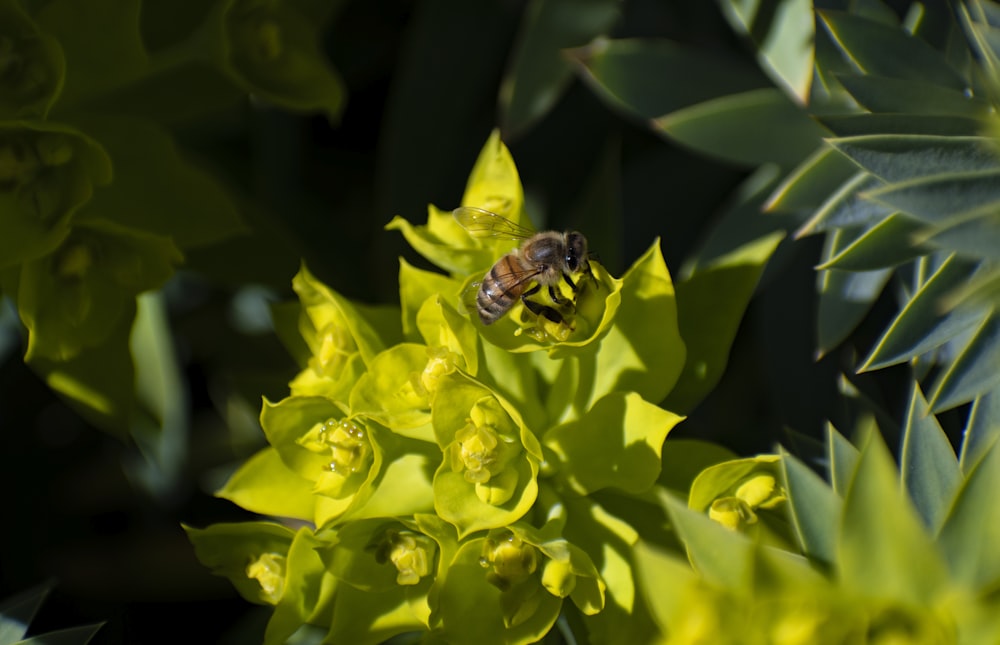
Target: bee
point(543, 259)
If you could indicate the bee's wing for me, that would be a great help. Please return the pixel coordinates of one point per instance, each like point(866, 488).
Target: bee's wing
point(483, 223)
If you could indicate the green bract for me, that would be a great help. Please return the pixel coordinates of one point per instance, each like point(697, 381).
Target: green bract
point(447, 467)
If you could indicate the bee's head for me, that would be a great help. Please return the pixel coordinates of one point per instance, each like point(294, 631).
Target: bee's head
point(576, 251)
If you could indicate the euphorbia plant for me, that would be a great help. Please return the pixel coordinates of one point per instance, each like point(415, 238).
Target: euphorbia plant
point(449, 477)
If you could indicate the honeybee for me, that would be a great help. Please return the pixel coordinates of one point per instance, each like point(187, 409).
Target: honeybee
point(543, 259)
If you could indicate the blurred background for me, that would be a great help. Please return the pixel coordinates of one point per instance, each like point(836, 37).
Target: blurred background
point(424, 81)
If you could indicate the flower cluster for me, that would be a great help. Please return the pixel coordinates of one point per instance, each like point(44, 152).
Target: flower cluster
point(450, 477)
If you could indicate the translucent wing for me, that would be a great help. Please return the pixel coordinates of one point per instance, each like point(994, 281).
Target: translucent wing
point(483, 223)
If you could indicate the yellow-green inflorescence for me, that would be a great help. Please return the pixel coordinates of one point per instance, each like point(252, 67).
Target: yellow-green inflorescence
point(444, 474)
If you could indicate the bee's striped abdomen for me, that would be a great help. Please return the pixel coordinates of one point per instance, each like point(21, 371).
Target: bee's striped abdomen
point(500, 288)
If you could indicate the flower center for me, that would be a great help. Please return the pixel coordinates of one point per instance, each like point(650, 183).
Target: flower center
point(269, 570)
point(511, 559)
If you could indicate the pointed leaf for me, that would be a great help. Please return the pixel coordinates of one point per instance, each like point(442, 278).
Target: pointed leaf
point(846, 207)
point(974, 371)
point(264, 485)
point(939, 198)
point(740, 128)
point(843, 460)
point(883, 50)
point(721, 556)
point(971, 531)
point(902, 157)
point(884, 550)
point(811, 183)
point(974, 236)
point(649, 78)
point(898, 96)
point(814, 508)
point(70, 636)
point(539, 73)
point(930, 470)
point(888, 243)
point(783, 35)
point(982, 428)
point(17, 612)
point(921, 326)
point(851, 125)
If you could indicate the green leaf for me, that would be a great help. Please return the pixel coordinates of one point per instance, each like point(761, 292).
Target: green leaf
point(156, 189)
point(70, 636)
point(666, 601)
point(783, 35)
point(227, 549)
point(883, 549)
point(851, 125)
point(808, 186)
point(274, 52)
point(973, 371)
point(940, 198)
point(394, 390)
point(930, 470)
point(813, 507)
point(264, 485)
point(160, 426)
point(843, 460)
point(901, 157)
point(415, 287)
point(95, 65)
point(974, 236)
point(899, 96)
point(972, 528)
point(34, 66)
point(643, 350)
point(17, 612)
point(647, 78)
point(47, 172)
point(616, 443)
point(890, 242)
point(846, 207)
point(74, 298)
point(539, 73)
point(722, 557)
point(981, 429)
point(884, 50)
point(684, 459)
point(711, 303)
point(921, 325)
point(845, 297)
point(740, 128)
point(723, 479)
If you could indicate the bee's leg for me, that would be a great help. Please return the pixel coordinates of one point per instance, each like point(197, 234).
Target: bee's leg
point(556, 296)
point(539, 309)
point(569, 281)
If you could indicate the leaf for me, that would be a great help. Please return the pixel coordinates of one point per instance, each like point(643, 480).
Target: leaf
point(939, 198)
point(845, 297)
point(647, 78)
point(70, 636)
point(17, 612)
point(849, 125)
point(539, 73)
point(808, 186)
point(974, 236)
point(264, 485)
point(721, 556)
point(616, 443)
point(711, 303)
point(847, 207)
point(972, 527)
point(740, 128)
point(883, 50)
point(160, 425)
point(902, 157)
point(929, 468)
point(981, 429)
point(921, 325)
point(973, 371)
point(843, 460)
point(34, 67)
point(814, 508)
point(783, 36)
point(274, 51)
point(899, 96)
point(883, 549)
point(95, 65)
point(653, 566)
point(157, 189)
point(888, 243)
